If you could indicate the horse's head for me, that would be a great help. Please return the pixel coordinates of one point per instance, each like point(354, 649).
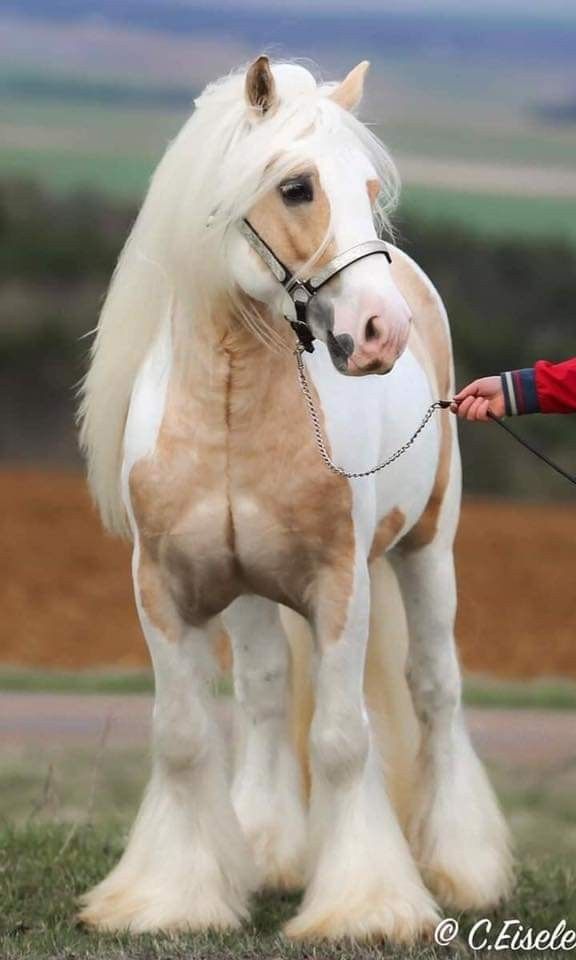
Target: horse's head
point(320, 198)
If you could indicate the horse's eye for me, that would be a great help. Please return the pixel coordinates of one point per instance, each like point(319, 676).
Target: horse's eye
point(298, 190)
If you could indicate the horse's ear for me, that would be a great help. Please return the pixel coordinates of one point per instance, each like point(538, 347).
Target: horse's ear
point(348, 94)
point(260, 86)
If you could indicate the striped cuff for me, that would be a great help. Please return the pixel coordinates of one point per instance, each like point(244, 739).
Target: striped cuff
point(520, 394)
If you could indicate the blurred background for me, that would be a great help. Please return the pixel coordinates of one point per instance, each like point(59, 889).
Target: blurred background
point(476, 99)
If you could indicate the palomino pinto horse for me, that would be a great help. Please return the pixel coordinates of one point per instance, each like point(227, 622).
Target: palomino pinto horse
point(200, 446)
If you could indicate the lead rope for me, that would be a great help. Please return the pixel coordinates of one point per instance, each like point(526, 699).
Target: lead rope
point(437, 405)
point(537, 453)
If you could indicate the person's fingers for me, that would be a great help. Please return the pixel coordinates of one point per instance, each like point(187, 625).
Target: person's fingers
point(483, 409)
point(472, 412)
point(469, 391)
point(464, 407)
point(472, 408)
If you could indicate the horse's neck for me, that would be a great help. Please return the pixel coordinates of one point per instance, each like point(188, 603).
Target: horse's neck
point(220, 359)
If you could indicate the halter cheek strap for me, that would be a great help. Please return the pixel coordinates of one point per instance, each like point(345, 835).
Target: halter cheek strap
point(301, 292)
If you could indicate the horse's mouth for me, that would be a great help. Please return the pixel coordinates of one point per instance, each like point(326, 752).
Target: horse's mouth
point(373, 367)
point(340, 348)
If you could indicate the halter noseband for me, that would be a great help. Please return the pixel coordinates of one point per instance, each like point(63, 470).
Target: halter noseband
point(301, 292)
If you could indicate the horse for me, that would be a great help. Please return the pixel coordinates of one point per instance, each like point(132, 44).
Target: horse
point(354, 778)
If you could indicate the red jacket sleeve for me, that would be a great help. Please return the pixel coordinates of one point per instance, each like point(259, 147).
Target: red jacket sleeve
point(556, 386)
point(544, 388)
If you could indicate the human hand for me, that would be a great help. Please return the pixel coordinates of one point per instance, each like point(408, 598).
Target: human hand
point(480, 398)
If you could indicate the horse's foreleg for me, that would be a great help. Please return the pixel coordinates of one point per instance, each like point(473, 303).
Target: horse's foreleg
point(267, 790)
point(186, 865)
point(458, 833)
point(364, 882)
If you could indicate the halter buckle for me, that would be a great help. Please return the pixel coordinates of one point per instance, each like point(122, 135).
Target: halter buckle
point(300, 325)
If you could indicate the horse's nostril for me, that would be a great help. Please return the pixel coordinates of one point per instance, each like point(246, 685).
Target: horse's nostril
point(371, 332)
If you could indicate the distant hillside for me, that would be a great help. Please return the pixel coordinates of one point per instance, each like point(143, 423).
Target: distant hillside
point(562, 113)
point(380, 33)
point(39, 87)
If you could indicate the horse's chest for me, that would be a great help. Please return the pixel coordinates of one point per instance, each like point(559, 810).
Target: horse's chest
point(291, 517)
point(235, 499)
point(288, 525)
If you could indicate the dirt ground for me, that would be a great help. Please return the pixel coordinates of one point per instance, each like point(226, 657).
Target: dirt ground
point(65, 593)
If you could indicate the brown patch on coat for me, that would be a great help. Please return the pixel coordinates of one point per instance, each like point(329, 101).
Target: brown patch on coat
point(430, 343)
point(235, 498)
point(292, 518)
point(373, 186)
point(295, 233)
point(155, 599)
point(179, 494)
point(386, 533)
point(223, 650)
point(429, 317)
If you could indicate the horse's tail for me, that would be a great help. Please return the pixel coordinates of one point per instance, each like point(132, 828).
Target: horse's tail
point(388, 700)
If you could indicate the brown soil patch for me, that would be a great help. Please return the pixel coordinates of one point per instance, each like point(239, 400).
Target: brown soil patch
point(66, 601)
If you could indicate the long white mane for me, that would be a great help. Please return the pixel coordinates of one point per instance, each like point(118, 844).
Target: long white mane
point(210, 176)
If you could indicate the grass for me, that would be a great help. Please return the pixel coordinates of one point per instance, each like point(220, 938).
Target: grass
point(539, 694)
point(101, 784)
point(65, 812)
point(553, 694)
point(17, 680)
point(47, 783)
point(38, 918)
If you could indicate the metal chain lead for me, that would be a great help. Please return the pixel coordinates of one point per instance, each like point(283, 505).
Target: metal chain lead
point(437, 405)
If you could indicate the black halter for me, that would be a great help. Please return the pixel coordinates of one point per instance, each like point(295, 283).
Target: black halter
point(301, 292)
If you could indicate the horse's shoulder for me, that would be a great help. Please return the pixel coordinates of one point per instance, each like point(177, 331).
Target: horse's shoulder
point(431, 343)
point(429, 315)
point(415, 284)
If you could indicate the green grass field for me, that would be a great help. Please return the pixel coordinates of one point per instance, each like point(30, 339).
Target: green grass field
point(65, 811)
point(37, 920)
point(495, 214)
point(539, 694)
